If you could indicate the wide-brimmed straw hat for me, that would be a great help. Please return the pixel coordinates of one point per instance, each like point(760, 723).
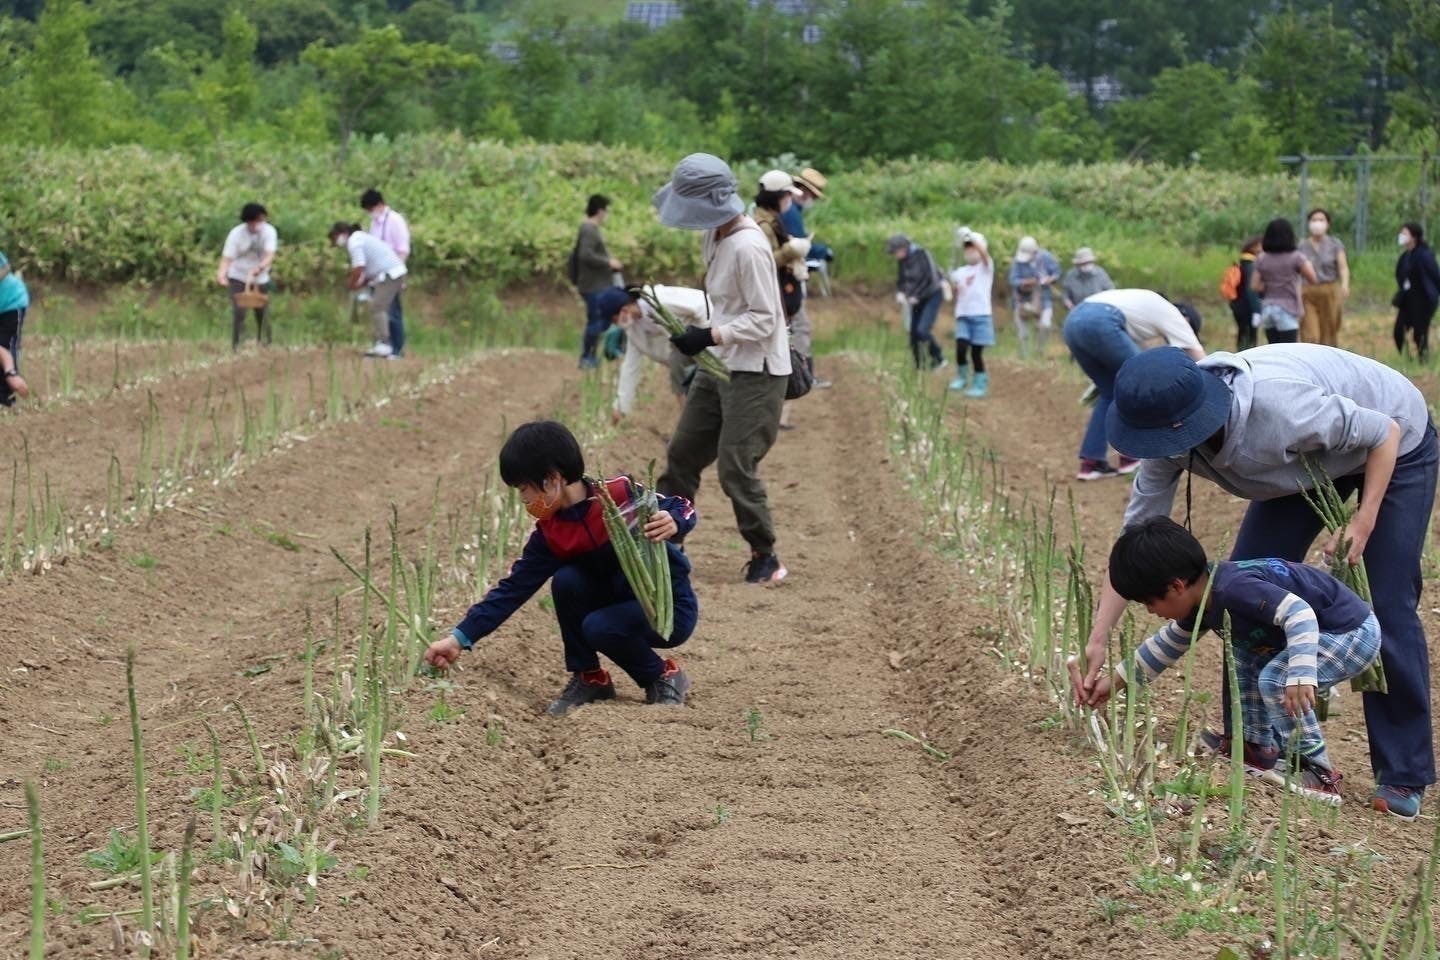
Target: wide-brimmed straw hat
point(701, 195)
point(1164, 404)
point(812, 180)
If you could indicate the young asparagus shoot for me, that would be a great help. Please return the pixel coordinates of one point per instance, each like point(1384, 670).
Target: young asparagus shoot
point(142, 824)
point(37, 874)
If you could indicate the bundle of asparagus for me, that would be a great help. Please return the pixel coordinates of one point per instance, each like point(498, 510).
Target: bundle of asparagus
point(645, 562)
point(708, 362)
point(1335, 513)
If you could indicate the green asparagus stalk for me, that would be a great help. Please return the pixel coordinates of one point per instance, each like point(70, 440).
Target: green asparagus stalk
point(645, 563)
point(37, 874)
point(142, 821)
point(1336, 514)
point(708, 362)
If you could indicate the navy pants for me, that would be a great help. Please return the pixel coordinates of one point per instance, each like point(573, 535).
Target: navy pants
point(1096, 336)
point(595, 326)
point(1401, 749)
point(922, 325)
point(599, 614)
point(12, 324)
point(396, 318)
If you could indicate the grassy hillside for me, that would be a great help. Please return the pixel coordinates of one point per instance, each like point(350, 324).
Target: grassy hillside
point(506, 214)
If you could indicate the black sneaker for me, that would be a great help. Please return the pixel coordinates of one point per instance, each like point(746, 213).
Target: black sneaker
point(764, 568)
point(580, 691)
point(1095, 470)
point(668, 689)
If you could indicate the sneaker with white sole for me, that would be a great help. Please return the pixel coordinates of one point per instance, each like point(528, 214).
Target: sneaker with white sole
point(1095, 470)
point(1318, 783)
point(764, 568)
point(380, 349)
point(1128, 465)
point(1400, 802)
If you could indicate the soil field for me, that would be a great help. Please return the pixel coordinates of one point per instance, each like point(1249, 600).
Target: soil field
point(771, 817)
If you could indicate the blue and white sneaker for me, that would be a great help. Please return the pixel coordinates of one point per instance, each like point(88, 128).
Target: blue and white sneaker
point(1401, 802)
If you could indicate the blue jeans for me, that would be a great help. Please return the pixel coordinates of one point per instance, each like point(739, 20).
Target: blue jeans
point(598, 613)
point(1401, 749)
point(595, 325)
point(922, 322)
point(12, 324)
point(1095, 334)
point(396, 317)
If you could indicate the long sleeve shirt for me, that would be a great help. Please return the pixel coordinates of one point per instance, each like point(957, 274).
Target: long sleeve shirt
point(389, 226)
point(645, 339)
point(576, 535)
point(918, 276)
point(593, 258)
point(1288, 400)
point(748, 316)
point(1273, 605)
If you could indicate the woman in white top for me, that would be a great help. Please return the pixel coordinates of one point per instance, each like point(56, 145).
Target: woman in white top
point(734, 424)
point(974, 324)
point(249, 251)
point(1105, 330)
point(374, 265)
point(646, 339)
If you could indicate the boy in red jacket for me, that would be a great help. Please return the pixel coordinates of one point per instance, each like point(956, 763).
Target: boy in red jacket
point(596, 609)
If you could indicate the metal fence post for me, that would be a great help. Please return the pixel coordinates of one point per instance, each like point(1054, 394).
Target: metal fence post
point(1304, 187)
point(1362, 204)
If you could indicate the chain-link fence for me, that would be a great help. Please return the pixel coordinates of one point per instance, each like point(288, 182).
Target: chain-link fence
point(1367, 192)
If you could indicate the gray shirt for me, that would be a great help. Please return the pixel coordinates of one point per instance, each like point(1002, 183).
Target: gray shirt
point(1078, 284)
point(1324, 256)
point(1290, 399)
point(1280, 272)
point(594, 259)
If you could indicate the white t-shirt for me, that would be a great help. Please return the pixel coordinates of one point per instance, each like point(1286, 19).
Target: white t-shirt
point(1149, 318)
point(973, 285)
point(375, 256)
point(245, 249)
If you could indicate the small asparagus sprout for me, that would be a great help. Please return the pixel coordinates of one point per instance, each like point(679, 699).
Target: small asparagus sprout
point(217, 786)
point(645, 562)
point(1237, 734)
point(37, 874)
point(1335, 513)
point(708, 362)
point(182, 902)
point(142, 822)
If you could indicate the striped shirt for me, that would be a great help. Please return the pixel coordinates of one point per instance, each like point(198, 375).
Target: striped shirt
point(1273, 605)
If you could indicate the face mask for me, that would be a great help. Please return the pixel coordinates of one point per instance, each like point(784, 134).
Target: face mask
point(1318, 228)
point(1403, 239)
point(972, 257)
point(1086, 270)
point(340, 241)
point(542, 509)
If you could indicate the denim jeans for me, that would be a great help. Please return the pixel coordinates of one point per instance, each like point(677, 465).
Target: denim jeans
point(12, 324)
point(1095, 334)
point(599, 614)
point(1401, 748)
point(396, 316)
point(922, 323)
point(595, 325)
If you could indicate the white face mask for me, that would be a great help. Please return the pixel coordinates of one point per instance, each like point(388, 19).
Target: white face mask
point(1403, 239)
point(340, 241)
point(972, 257)
point(1318, 227)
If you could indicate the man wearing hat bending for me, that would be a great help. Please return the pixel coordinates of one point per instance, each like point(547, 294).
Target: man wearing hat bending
point(1085, 278)
point(731, 424)
point(1245, 421)
point(1033, 274)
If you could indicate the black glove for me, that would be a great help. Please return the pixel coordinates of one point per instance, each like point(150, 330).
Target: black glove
point(693, 340)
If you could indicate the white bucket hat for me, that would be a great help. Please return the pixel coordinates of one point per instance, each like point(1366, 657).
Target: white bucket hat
point(701, 194)
point(1027, 249)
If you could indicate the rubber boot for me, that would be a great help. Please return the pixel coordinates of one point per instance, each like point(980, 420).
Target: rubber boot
point(980, 387)
point(962, 377)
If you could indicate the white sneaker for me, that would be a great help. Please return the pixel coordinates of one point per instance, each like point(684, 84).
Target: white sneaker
point(381, 349)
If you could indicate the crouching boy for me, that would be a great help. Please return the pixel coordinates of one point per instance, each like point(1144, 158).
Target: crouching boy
point(596, 609)
point(1294, 629)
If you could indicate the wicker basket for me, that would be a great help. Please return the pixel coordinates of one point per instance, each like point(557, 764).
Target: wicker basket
point(251, 298)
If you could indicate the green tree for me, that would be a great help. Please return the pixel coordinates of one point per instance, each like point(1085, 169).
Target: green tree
point(1197, 114)
point(379, 62)
point(1415, 56)
point(237, 63)
point(65, 82)
point(1310, 73)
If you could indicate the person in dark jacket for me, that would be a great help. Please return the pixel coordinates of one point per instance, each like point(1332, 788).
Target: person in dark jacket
point(1417, 278)
point(919, 286)
point(1246, 305)
point(594, 274)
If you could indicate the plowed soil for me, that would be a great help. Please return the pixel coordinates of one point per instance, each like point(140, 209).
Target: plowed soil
point(623, 831)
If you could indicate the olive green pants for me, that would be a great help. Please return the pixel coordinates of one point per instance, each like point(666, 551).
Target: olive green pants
point(732, 425)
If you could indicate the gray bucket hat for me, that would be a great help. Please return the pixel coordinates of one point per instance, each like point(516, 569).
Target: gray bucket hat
point(701, 194)
point(897, 243)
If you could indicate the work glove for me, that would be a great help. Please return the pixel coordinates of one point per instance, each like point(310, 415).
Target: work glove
point(800, 246)
point(693, 340)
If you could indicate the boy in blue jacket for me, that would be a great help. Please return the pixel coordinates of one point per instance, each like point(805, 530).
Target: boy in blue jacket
point(1294, 629)
point(596, 609)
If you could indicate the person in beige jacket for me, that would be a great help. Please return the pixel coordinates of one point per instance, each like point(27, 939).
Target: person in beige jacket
point(731, 424)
